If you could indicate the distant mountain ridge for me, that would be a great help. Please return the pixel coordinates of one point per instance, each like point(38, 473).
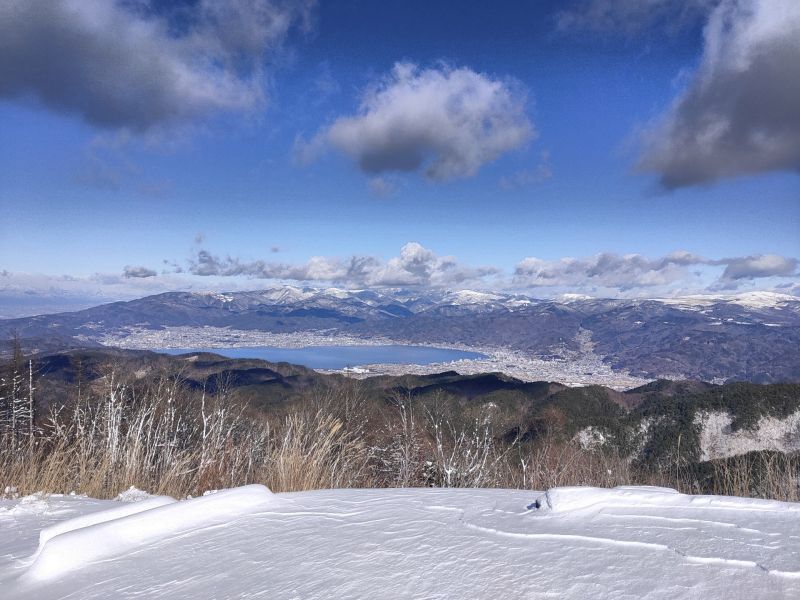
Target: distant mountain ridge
point(753, 336)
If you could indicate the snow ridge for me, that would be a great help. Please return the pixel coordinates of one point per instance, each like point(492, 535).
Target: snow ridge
point(124, 510)
point(72, 545)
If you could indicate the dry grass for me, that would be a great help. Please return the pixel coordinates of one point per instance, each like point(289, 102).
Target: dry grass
point(762, 475)
point(315, 451)
point(167, 439)
point(555, 463)
point(167, 442)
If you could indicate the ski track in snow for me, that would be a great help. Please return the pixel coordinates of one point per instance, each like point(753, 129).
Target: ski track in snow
point(406, 543)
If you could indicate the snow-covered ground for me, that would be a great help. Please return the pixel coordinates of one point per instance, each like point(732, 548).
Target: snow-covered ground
point(719, 440)
point(415, 543)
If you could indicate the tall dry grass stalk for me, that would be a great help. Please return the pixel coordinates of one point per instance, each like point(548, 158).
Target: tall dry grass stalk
point(315, 451)
point(763, 475)
point(168, 439)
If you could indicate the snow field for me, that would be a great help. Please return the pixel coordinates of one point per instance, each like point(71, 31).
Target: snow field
point(630, 542)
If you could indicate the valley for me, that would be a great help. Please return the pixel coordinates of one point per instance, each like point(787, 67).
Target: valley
point(621, 343)
point(573, 367)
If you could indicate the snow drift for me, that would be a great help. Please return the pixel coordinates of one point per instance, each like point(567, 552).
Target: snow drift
point(111, 514)
point(84, 540)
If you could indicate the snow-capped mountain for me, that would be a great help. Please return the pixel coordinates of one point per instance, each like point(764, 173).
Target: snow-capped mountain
point(753, 336)
point(756, 299)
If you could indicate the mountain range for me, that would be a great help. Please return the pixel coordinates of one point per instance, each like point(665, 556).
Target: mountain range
point(752, 336)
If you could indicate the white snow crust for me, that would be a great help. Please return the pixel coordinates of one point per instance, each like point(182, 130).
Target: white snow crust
point(570, 543)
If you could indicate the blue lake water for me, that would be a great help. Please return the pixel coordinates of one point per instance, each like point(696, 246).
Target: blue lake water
point(338, 357)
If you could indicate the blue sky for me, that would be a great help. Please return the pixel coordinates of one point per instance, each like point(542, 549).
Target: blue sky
point(510, 133)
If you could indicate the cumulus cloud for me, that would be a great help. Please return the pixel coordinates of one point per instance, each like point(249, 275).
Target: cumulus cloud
point(415, 266)
point(607, 273)
point(138, 272)
point(605, 270)
point(317, 268)
point(133, 65)
point(739, 114)
point(445, 122)
point(632, 271)
point(419, 266)
point(762, 265)
point(632, 16)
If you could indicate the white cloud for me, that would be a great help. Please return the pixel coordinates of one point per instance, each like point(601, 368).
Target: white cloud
point(445, 122)
point(607, 273)
point(138, 272)
point(621, 273)
point(739, 114)
point(758, 266)
point(415, 266)
point(134, 65)
point(603, 275)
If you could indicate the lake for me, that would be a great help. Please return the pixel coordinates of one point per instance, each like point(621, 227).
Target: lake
point(339, 357)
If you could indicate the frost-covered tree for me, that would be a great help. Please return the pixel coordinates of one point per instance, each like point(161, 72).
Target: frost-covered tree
point(17, 406)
